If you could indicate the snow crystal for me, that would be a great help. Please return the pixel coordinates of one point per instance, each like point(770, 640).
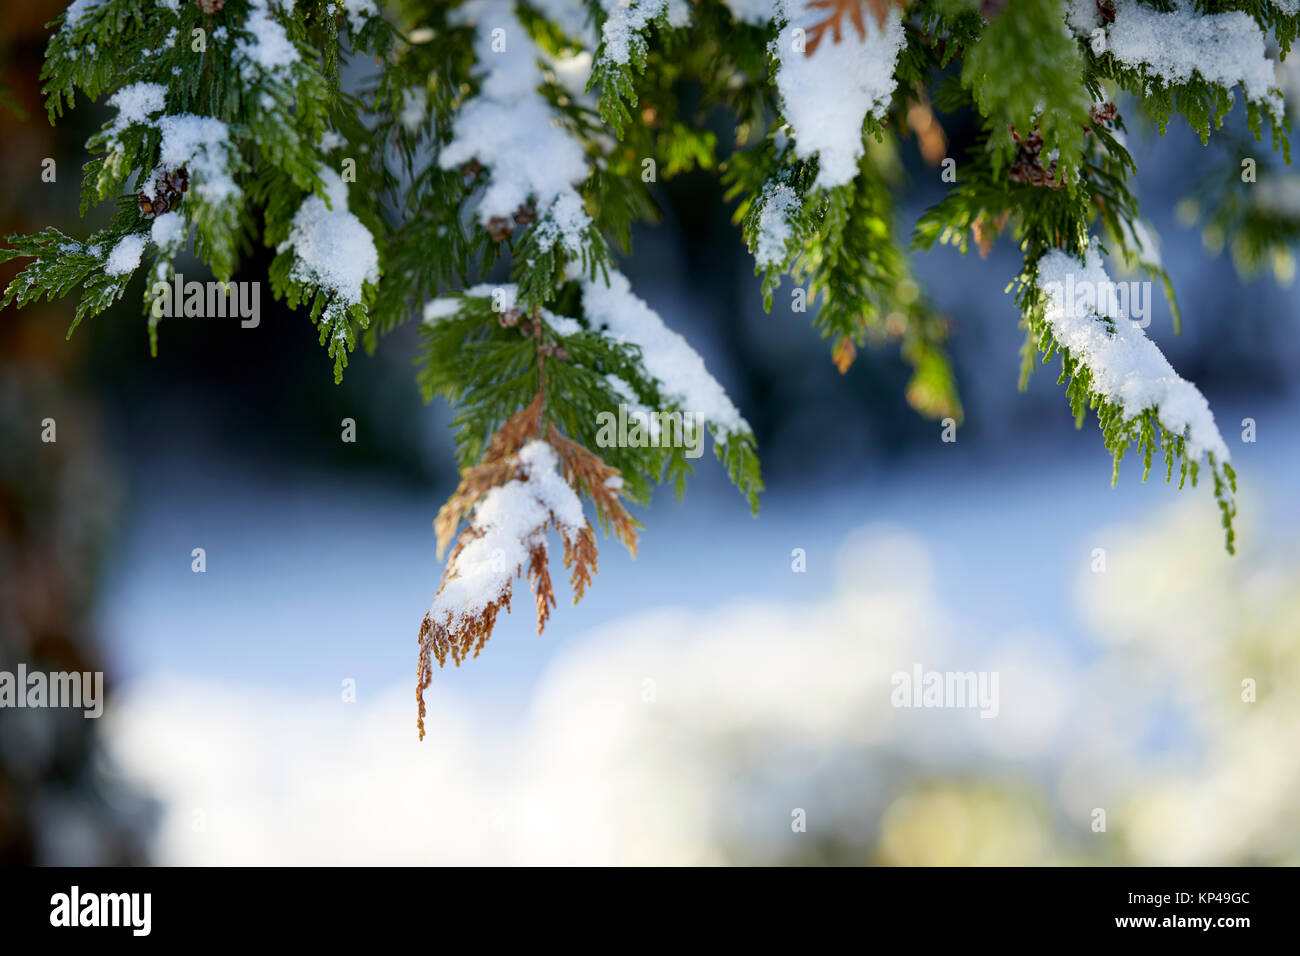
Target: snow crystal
point(125, 256)
point(827, 96)
point(1223, 48)
point(681, 373)
point(506, 525)
point(270, 48)
point(168, 229)
point(780, 203)
point(332, 248)
point(511, 130)
point(1127, 367)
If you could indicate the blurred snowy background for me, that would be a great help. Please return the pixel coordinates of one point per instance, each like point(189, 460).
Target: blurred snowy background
point(704, 692)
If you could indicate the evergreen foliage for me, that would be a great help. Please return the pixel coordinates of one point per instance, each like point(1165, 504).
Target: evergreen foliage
point(498, 138)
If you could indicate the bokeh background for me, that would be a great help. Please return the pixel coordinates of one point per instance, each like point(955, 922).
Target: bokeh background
point(703, 692)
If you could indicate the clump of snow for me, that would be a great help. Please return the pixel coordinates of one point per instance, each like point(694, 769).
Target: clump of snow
point(682, 376)
point(627, 20)
point(331, 247)
point(826, 96)
point(780, 203)
point(269, 48)
point(168, 229)
point(512, 131)
point(1127, 368)
point(136, 104)
point(509, 521)
point(1227, 49)
point(201, 144)
point(125, 256)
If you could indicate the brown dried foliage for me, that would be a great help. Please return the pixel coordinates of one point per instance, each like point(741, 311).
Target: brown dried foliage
point(585, 473)
point(844, 354)
point(836, 11)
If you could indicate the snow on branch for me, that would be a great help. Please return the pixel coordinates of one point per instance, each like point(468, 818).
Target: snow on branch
point(1225, 49)
point(512, 131)
point(827, 94)
point(667, 356)
point(1110, 362)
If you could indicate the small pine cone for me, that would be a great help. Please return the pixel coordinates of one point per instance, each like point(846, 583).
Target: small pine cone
point(1103, 113)
point(499, 228)
point(210, 6)
point(176, 180)
point(160, 205)
point(510, 318)
point(560, 354)
point(145, 204)
point(1107, 10)
point(471, 169)
point(525, 214)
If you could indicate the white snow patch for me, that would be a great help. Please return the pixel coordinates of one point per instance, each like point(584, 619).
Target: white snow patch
point(200, 143)
point(270, 48)
point(779, 203)
point(826, 97)
point(125, 256)
point(666, 355)
point(332, 248)
point(1127, 367)
point(512, 131)
point(1227, 49)
point(627, 21)
point(168, 229)
point(508, 522)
